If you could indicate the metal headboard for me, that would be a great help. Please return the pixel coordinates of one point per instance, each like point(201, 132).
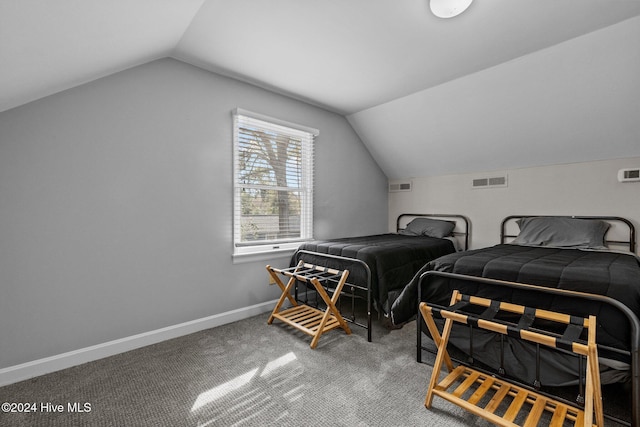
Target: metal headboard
point(630, 242)
point(465, 222)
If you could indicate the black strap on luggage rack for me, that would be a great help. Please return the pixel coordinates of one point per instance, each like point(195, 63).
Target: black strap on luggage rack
point(472, 388)
point(349, 289)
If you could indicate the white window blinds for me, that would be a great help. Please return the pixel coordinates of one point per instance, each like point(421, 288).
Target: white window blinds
point(273, 183)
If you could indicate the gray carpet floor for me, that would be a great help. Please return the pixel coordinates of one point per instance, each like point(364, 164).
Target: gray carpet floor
point(246, 373)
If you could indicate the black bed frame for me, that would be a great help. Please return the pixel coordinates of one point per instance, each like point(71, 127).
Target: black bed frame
point(350, 290)
point(465, 234)
point(630, 243)
point(634, 322)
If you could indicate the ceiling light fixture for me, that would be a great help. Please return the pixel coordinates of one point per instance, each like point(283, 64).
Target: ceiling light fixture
point(448, 8)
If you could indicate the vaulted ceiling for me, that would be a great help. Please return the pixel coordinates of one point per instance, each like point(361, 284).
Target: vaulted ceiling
point(347, 56)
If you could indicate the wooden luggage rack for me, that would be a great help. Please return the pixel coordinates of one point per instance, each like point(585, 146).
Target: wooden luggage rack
point(496, 399)
point(310, 320)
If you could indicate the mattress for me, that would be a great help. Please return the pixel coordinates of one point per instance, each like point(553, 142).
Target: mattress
point(393, 260)
point(612, 274)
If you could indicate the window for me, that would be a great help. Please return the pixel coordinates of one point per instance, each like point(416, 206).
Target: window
point(273, 183)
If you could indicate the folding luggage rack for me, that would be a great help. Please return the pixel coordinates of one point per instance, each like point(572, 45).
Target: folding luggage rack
point(497, 399)
point(310, 320)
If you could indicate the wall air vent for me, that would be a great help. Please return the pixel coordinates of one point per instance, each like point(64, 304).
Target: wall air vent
point(400, 186)
point(629, 175)
point(490, 182)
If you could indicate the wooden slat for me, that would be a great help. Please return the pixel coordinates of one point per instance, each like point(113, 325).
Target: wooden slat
point(310, 321)
point(295, 325)
point(464, 385)
point(451, 378)
point(536, 412)
point(521, 396)
point(515, 406)
point(463, 379)
point(481, 391)
point(497, 398)
point(559, 416)
point(496, 419)
point(302, 316)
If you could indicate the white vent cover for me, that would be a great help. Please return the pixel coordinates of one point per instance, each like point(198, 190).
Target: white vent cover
point(629, 175)
point(490, 182)
point(400, 186)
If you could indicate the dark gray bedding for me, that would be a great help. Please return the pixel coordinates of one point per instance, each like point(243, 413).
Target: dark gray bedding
point(392, 258)
point(612, 274)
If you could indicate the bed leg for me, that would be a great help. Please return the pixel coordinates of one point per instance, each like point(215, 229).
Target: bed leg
point(580, 397)
point(369, 312)
point(501, 370)
point(470, 358)
point(635, 387)
point(536, 382)
point(419, 323)
point(418, 339)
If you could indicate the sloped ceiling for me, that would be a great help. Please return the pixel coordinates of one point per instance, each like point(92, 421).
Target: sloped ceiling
point(48, 46)
point(348, 56)
point(577, 101)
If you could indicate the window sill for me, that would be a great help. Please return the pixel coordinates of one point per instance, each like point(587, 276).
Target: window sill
point(262, 256)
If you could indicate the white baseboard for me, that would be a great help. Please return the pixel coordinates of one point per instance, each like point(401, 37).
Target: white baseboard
point(47, 365)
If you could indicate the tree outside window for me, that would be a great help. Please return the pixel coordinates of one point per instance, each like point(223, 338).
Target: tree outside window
point(273, 184)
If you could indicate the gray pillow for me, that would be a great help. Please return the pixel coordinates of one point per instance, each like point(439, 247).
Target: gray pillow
point(429, 227)
point(562, 232)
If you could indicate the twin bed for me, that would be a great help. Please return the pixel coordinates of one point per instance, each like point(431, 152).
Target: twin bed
point(573, 265)
point(381, 265)
point(561, 264)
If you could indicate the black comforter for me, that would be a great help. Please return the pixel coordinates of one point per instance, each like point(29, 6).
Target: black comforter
point(392, 258)
point(612, 274)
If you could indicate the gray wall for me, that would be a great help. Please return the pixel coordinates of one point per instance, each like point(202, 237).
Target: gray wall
point(116, 203)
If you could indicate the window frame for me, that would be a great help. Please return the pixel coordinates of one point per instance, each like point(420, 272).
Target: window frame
point(307, 134)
